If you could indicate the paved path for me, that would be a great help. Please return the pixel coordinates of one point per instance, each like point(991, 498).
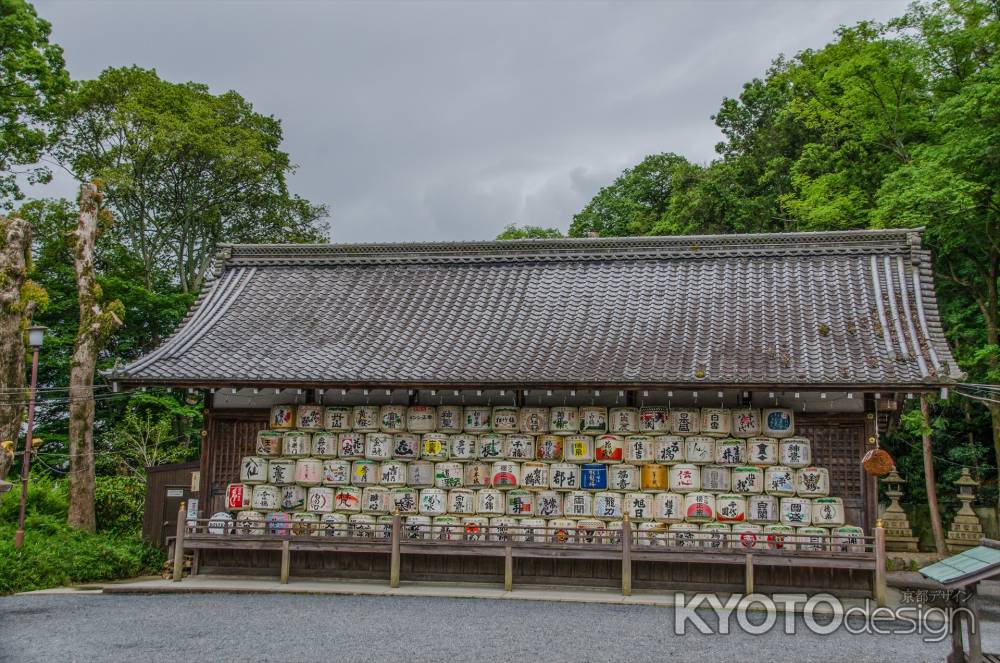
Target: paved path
point(263, 627)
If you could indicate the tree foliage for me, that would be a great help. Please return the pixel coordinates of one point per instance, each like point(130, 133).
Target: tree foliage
point(512, 231)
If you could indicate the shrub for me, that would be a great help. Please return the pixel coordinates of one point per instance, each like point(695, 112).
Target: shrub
point(119, 502)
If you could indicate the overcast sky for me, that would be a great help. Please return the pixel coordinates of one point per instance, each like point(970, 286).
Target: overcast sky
point(449, 120)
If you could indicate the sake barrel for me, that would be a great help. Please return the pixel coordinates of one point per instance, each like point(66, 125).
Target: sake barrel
point(434, 446)
point(668, 449)
point(417, 527)
point(624, 478)
point(589, 530)
point(848, 539)
point(594, 476)
point(504, 419)
point(560, 529)
point(762, 509)
point(491, 446)
point(779, 480)
point(533, 420)
point(476, 419)
point(351, 446)
point(365, 418)
point(266, 497)
point(250, 523)
point(578, 449)
point(475, 528)
point(795, 452)
point(746, 422)
point(520, 447)
point(811, 538)
point(716, 478)
point(699, 507)
point(796, 511)
point(652, 534)
point(283, 417)
point(406, 446)
point(716, 421)
point(653, 478)
point(324, 445)
point(520, 503)
point(593, 420)
point(333, 524)
point(268, 443)
point(280, 471)
point(404, 499)
point(433, 502)
point(239, 497)
point(613, 533)
point(714, 535)
point(392, 473)
point(309, 417)
point(505, 474)
point(535, 476)
point(253, 469)
point(748, 480)
point(609, 505)
point(748, 535)
point(449, 475)
point(780, 537)
point(609, 448)
point(420, 474)
point(309, 471)
point(731, 508)
point(564, 476)
point(654, 420)
point(638, 449)
point(827, 512)
point(812, 482)
point(320, 499)
point(623, 420)
point(685, 421)
point(548, 447)
point(730, 451)
point(278, 523)
point(378, 446)
point(293, 498)
point(336, 472)
point(684, 478)
point(778, 422)
point(564, 420)
point(490, 502)
point(477, 475)
point(530, 530)
point(548, 504)
point(463, 446)
point(347, 499)
point(446, 528)
point(450, 419)
point(364, 473)
point(643, 506)
point(421, 418)
point(461, 501)
point(383, 526)
point(683, 535)
point(362, 526)
point(578, 504)
point(392, 418)
point(503, 528)
point(337, 418)
point(699, 449)
point(296, 444)
point(762, 451)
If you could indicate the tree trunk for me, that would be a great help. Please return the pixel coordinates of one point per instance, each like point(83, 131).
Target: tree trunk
point(994, 409)
point(932, 502)
point(97, 322)
point(15, 248)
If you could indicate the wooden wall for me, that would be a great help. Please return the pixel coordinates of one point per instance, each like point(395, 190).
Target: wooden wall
point(159, 508)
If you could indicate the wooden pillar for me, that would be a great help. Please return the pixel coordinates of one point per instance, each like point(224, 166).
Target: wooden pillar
point(972, 627)
point(626, 556)
point(179, 543)
point(878, 580)
point(394, 557)
point(508, 568)
point(286, 561)
point(749, 574)
point(957, 654)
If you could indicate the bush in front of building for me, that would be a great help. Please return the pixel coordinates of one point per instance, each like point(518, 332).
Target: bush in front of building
point(119, 502)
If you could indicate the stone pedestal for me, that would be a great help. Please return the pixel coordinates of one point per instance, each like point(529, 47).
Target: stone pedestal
point(966, 531)
point(898, 534)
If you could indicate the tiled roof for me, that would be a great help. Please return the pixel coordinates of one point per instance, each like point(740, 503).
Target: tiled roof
point(958, 570)
point(845, 308)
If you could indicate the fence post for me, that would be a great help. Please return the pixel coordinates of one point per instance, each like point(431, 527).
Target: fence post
point(879, 578)
point(286, 561)
point(749, 574)
point(626, 556)
point(508, 569)
point(179, 543)
point(394, 557)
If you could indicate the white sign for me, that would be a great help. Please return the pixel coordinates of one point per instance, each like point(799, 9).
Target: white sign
point(175, 492)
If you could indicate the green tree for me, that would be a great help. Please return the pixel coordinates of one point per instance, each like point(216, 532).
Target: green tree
point(512, 231)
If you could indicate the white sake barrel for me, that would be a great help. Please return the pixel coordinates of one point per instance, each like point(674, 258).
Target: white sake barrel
point(653, 478)
point(638, 449)
point(421, 418)
point(685, 421)
point(309, 471)
point(446, 528)
point(730, 508)
point(609, 448)
point(336, 472)
point(520, 447)
point(450, 419)
point(827, 512)
point(266, 497)
point(309, 417)
point(548, 447)
point(253, 469)
point(362, 526)
point(378, 446)
point(449, 475)
point(383, 527)
point(779, 537)
point(434, 446)
point(505, 474)
point(795, 452)
point(268, 443)
point(405, 499)
point(684, 478)
point(778, 422)
point(748, 480)
point(239, 497)
point(623, 420)
point(590, 530)
point(280, 471)
point(730, 451)
point(504, 419)
point(337, 418)
point(578, 504)
point(609, 505)
point(762, 451)
point(535, 476)
point(406, 446)
point(220, 524)
point(714, 535)
point(475, 528)
point(365, 418)
point(461, 501)
point(250, 523)
point(779, 480)
point(716, 478)
point(548, 504)
point(746, 422)
point(503, 529)
point(699, 449)
point(534, 420)
point(654, 420)
point(624, 478)
point(364, 473)
point(593, 420)
point(492, 446)
point(420, 474)
point(463, 446)
point(613, 533)
point(477, 419)
point(848, 538)
point(333, 524)
point(283, 417)
point(811, 538)
point(324, 445)
point(683, 535)
point(796, 511)
point(433, 502)
point(293, 498)
point(699, 507)
point(564, 420)
point(663, 508)
point(320, 500)
point(716, 421)
point(490, 502)
point(578, 449)
point(392, 418)
point(347, 499)
point(351, 446)
point(564, 476)
point(477, 475)
point(668, 449)
point(296, 444)
point(278, 523)
point(392, 473)
point(530, 530)
point(520, 503)
point(417, 527)
point(561, 529)
point(748, 536)
point(762, 509)
point(652, 534)
point(812, 482)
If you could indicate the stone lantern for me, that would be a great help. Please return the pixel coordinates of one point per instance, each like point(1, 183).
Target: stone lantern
point(966, 530)
point(898, 534)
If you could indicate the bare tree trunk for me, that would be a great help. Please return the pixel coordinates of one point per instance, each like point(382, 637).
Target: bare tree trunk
point(15, 250)
point(97, 323)
point(932, 502)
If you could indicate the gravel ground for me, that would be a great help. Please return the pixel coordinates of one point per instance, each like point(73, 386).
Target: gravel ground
point(260, 627)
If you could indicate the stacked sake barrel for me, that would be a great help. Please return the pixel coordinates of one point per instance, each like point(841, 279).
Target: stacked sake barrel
point(685, 477)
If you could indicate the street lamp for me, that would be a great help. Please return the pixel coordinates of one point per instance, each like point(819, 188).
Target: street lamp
point(35, 336)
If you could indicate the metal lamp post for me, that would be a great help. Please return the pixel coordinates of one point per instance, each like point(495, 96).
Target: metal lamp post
point(35, 336)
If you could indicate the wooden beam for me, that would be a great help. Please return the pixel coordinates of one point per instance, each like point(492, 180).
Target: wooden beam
point(394, 554)
point(508, 569)
point(748, 589)
point(179, 543)
point(878, 590)
point(972, 625)
point(626, 556)
point(286, 561)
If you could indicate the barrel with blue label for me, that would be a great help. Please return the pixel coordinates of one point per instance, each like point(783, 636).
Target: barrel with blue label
point(594, 476)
